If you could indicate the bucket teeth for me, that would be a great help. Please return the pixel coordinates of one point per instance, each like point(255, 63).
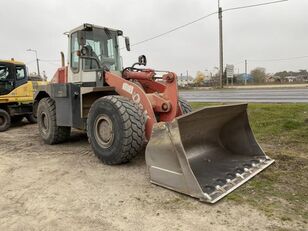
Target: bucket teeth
point(231, 184)
point(232, 177)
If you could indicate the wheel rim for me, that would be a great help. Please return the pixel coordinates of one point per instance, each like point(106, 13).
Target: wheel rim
point(44, 122)
point(103, 131)
point(2, 120)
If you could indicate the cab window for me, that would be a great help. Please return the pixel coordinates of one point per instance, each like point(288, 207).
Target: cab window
point(20, 72)
point(102, 46)
point(74, 50)
point(4, 73)
point(6, 80)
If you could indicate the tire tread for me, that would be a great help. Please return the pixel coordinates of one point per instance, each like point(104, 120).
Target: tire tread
point(134, 129)
point(60, 133)
point(185, 106)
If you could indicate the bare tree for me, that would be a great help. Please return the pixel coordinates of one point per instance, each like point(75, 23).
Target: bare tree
point(258, 75)
point(200, 77)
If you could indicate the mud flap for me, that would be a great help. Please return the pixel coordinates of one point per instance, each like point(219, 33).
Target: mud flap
point(205, 154)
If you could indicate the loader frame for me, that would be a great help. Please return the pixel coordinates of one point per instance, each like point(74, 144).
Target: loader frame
point(72, 102)
point(158, 99)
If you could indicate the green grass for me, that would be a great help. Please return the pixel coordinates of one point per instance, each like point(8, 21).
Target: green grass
point(281, 190)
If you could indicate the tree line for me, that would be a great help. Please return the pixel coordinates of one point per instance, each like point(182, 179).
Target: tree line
point(258, 76)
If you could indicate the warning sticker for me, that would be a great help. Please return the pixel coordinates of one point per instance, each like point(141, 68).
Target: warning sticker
point(128, 88)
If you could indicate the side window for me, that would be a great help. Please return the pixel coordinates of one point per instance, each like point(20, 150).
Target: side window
point(4, 72)
point(95, 51)
point(110, 47)
point(74, 49)
point(20, 72)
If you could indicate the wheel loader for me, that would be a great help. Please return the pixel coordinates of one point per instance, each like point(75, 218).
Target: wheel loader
point(205, 154)
point(16, 93)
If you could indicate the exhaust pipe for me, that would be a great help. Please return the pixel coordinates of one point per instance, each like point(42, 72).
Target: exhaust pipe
point(62, 59)
point(205, 154)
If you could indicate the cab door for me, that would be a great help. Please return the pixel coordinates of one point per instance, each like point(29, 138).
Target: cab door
point(23, 88)
point(7, 79)
point(20, 75)
point(74, 74)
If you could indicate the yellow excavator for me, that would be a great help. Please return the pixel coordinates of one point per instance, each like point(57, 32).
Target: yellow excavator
point(16, 93)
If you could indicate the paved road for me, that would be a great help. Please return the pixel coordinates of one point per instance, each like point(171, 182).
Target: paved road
point(299, 95)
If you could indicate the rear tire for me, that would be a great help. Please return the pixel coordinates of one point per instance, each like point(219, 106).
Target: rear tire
point(31, 118)
point(47, 123)
point(5, 120)
point(116, 129)
point(185, 106)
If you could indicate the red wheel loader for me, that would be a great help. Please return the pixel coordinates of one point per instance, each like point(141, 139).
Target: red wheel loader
point(205, 154)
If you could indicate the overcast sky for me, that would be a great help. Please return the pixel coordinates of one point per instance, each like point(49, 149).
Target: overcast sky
point(269, 32)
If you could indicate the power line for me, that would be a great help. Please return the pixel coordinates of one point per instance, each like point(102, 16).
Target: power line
point(174, 29)
point(32, 61)
point(255, 5)
point(280, 59)
point(50, 60)
point(242, 62)
point(202, 18)
point(272, 60)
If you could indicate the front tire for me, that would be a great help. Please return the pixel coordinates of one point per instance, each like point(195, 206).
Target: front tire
point(5, 120)
point(116, 129)
point(47, 123)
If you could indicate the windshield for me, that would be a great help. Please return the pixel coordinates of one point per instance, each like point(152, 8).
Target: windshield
point(103, 45)
point(6, 81)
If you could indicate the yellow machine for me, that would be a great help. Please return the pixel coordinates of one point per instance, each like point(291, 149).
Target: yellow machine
point(16, 93)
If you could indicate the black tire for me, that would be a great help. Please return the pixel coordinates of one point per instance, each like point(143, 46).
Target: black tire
point(116, 129)
point(5, 120)
point(47, 123)
point(16, 119)
point(31, 118)
point(185, 106)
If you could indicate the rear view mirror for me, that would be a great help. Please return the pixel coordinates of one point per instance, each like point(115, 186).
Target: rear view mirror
point(84, 51)
point(142, 60)
point(127, 43)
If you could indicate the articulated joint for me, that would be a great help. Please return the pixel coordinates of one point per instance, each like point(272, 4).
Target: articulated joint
point(169, 77)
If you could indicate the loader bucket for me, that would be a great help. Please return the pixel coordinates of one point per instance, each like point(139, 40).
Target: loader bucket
point(205, 154)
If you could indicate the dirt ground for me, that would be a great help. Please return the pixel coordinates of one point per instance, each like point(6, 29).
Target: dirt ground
point(65, 187)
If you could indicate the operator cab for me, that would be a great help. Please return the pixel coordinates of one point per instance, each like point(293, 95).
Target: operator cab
point(12, 75)
point(91, 50)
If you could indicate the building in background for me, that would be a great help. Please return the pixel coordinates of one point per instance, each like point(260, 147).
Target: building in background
point(240, 79)
point(184, 80)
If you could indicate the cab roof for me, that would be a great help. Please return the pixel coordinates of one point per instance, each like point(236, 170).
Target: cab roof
point(85, 25)
point(12, 61)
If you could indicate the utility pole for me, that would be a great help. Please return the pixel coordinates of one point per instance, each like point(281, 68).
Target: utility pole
point(37, 61)
point(245, 71)
point(221, 60)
